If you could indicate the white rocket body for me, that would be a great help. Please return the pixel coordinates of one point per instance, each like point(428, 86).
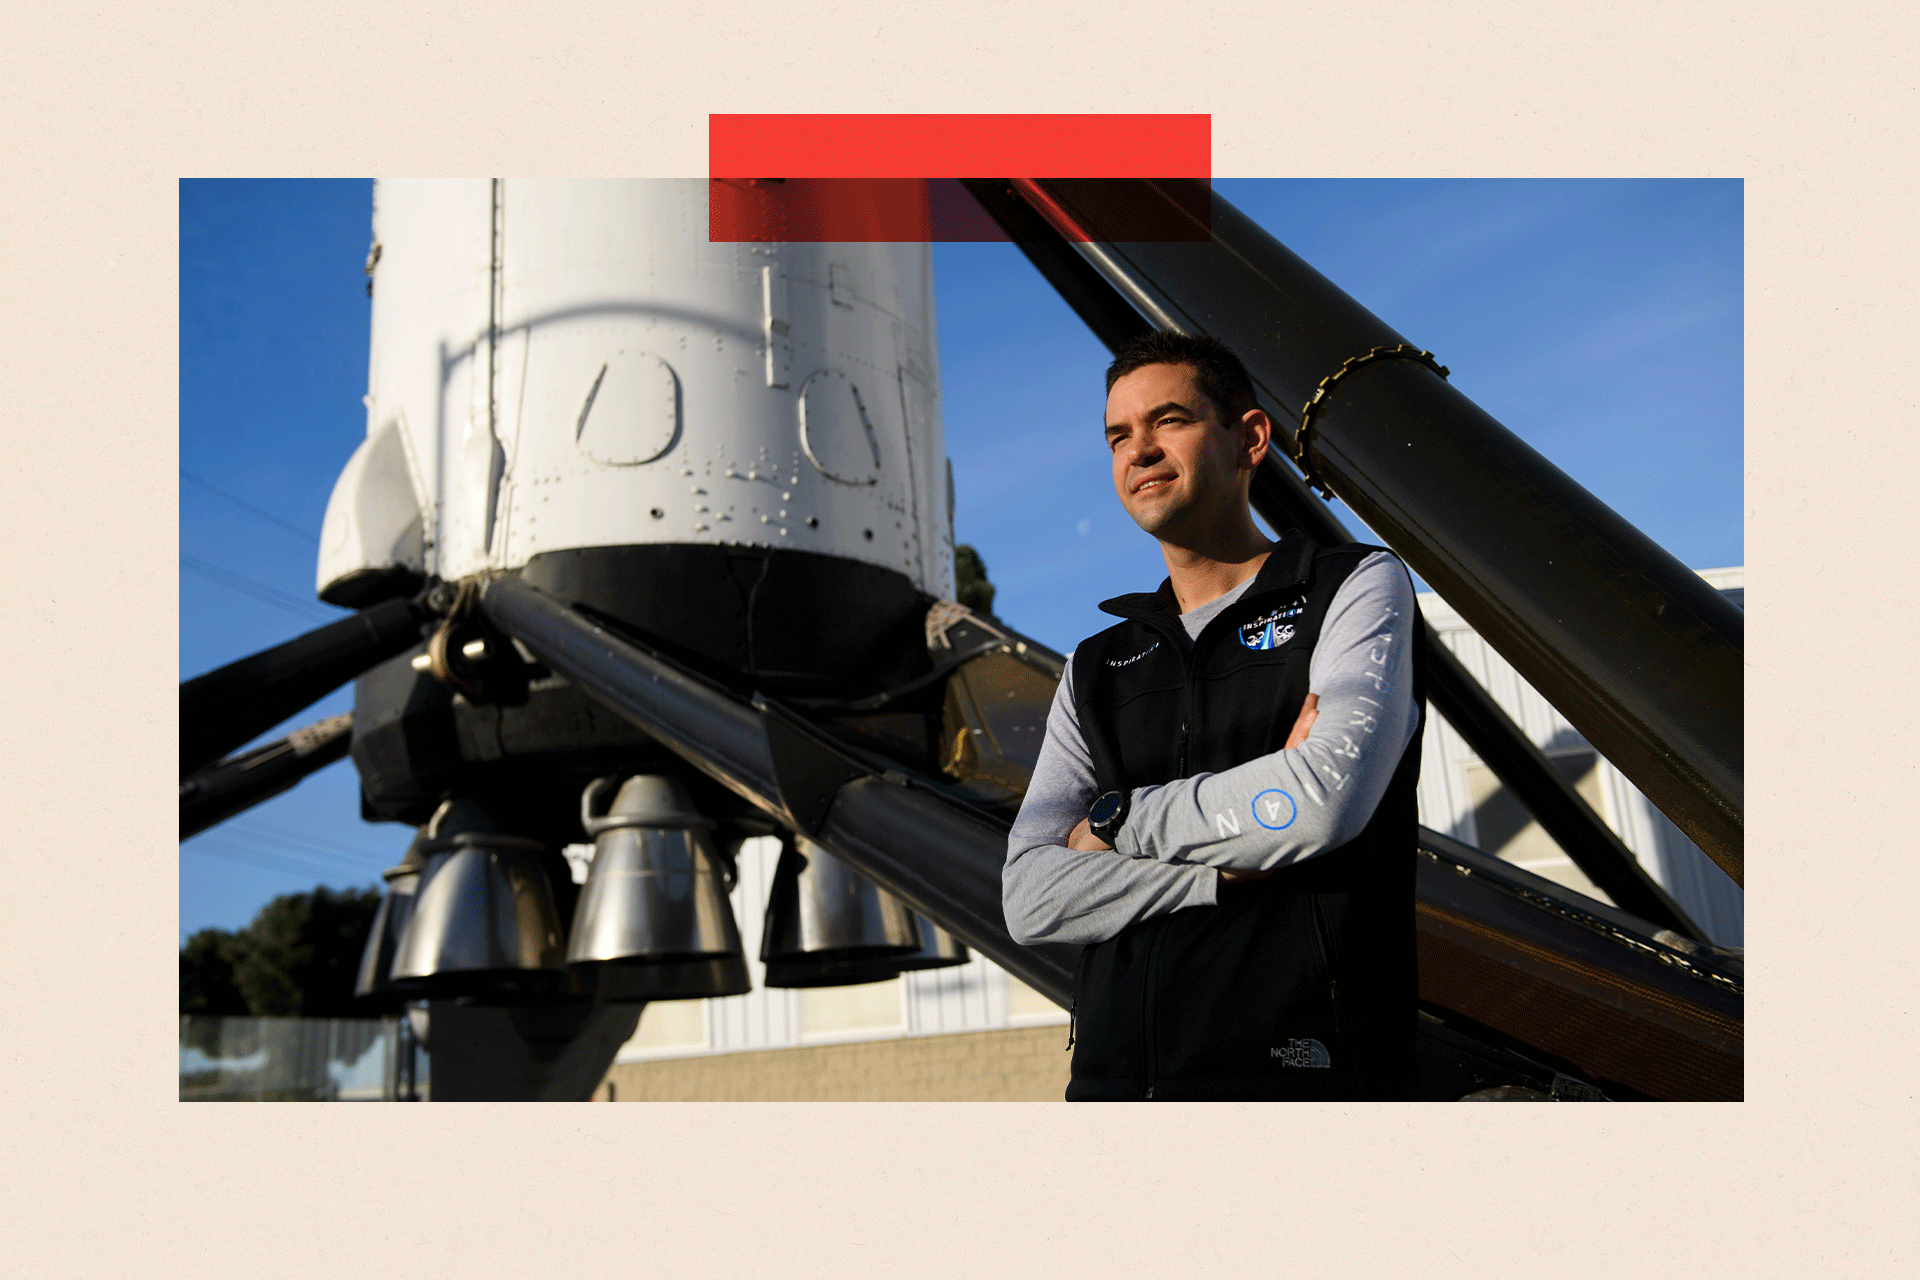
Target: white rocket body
point(571, 364)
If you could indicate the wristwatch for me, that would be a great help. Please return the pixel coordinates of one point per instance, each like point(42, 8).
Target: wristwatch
point(1106, 815)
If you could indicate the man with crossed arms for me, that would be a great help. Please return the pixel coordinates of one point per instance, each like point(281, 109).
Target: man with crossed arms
point(1223, 810)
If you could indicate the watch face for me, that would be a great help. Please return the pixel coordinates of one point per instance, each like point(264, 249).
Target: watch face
point(1104, 809)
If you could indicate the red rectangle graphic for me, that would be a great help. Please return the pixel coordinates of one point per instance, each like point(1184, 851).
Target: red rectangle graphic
point(960, 146)
point(895, 177)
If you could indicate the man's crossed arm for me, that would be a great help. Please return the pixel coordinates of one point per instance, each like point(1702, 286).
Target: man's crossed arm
point(1181, 839)
point(1082, 837)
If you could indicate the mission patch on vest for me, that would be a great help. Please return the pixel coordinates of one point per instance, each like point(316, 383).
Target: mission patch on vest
point(1272, 630)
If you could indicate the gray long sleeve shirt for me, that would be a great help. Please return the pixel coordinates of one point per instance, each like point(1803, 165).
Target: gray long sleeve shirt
point(1177, 836)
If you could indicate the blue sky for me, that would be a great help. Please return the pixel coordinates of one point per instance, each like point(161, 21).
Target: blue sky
point(1601, 321)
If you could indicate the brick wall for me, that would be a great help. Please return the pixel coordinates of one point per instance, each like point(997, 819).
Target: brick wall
point(1024, 1064)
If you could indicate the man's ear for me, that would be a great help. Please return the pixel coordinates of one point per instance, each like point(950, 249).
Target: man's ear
point(1256, 436)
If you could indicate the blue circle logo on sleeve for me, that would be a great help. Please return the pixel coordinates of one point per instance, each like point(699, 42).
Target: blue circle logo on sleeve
point(1275, 810)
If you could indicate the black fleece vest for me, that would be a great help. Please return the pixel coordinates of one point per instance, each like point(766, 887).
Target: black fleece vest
point(1298, 985)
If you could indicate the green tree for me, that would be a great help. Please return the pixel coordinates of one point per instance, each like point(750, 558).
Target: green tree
point(971, 587)
point(206, 974)
point(303, 952)
point(298, 958)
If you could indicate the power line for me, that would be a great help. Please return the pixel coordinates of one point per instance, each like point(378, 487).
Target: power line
point(261, 826)
point(243, 842)
point(248, 507)
point(267, 860)
point(372, 866)
point(255, 828)
point(248, 587)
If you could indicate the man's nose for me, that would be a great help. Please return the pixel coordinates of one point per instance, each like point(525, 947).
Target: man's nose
point(1143, 450)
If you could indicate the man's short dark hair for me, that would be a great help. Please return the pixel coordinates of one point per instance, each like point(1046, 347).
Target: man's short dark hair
point(1219, 373)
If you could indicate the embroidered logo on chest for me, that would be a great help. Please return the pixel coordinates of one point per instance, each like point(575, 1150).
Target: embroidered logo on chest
point(1127, 662)
point(1303, 1053)
point(1271, 630)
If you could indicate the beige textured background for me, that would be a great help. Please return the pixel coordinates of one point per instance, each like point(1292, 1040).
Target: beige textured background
point(108, 104)
point(1021, 1064)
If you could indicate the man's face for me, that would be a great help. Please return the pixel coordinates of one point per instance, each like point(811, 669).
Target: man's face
point(1176, 464)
